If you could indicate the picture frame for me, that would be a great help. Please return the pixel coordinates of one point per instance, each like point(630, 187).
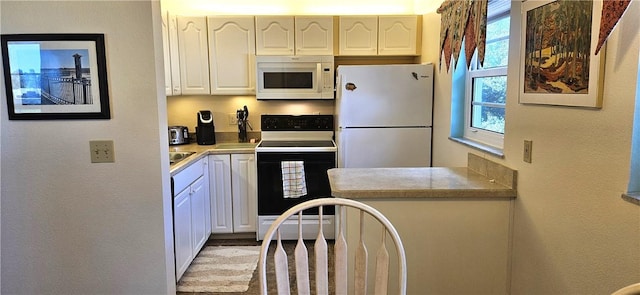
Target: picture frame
point(557, 61)
point(55, 76)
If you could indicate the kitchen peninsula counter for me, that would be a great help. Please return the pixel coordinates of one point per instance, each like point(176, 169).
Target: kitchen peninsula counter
point(455, 223)
point(428, 182)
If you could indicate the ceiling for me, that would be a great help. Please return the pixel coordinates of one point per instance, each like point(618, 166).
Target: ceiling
point(299, 7)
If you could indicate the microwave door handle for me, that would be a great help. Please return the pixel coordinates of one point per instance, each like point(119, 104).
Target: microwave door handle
point(319, 77)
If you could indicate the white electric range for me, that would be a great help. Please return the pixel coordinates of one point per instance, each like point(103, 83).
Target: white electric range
point(300, 143)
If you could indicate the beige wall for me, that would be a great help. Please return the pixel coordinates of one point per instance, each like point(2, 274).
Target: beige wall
point(69, 226)
point(572, 233)
point(182, 110)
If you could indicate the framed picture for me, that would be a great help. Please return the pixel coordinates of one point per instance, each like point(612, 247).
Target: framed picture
point(557, 64)
point(55, 76)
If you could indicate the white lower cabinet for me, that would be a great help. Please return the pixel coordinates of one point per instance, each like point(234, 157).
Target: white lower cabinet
point(191, 213)
point(182, 232)
point(199, 212)
point(233, 193)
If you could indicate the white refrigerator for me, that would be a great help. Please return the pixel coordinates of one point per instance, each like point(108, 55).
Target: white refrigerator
point(384, 115)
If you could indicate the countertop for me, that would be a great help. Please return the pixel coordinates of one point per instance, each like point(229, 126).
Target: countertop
point(427, 182)
point(205, 150)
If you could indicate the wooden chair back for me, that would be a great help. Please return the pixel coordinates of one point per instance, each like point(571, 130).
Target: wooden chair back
point(633, 289)
point(340, 256)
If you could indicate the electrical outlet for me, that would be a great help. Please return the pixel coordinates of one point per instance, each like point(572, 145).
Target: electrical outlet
point(232, 119)
point(528, 145)
point(101, 151)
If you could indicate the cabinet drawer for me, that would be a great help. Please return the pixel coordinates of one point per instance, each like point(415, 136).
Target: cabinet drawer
point(187, 176)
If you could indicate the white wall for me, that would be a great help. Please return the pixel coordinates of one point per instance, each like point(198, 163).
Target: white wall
point(69, 226)
point(573, 234)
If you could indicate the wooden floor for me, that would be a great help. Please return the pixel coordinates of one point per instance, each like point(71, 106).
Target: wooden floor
point(254, 288)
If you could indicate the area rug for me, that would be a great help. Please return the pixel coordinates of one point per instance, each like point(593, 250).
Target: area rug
point(221, 269)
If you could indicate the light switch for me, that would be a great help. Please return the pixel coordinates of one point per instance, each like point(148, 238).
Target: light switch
point(232, 119)
point(101, 151)
point(528, 145)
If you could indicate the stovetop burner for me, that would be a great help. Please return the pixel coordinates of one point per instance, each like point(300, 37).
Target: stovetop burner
point(297, 132)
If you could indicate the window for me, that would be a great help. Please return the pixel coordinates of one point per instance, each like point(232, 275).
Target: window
point(633, 190)
point(486, 85)
point(479, 109)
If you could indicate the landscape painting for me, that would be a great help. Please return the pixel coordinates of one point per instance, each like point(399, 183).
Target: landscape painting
point(558, 66)
point(55, 76)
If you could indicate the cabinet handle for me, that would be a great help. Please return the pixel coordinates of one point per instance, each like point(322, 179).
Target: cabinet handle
point(319, 77)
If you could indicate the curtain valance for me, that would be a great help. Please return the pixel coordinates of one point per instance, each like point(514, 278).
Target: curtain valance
point(462, 19)
point(467, 20)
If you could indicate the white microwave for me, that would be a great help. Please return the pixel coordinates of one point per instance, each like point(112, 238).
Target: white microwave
point(295, 77)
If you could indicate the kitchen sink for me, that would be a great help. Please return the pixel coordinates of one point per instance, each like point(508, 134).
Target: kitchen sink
point(236, 145)
point(175, 157)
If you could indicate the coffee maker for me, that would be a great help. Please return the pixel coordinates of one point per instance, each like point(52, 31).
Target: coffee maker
point(206, 131)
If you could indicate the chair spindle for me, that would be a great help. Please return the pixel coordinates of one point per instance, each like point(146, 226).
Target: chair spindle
point(302, 262)
point(282, 268)
point(361, 262)
point(322, 267)
point(382, 267)
point(340, 252)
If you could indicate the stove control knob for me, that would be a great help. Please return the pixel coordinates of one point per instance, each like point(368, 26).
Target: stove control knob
point(269, 124)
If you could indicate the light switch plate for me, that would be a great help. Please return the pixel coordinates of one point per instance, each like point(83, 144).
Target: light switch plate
point(101, 151)
point(528, 145)
point(232, 119)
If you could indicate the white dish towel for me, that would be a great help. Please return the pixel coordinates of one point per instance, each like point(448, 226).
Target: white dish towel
point(293, 180)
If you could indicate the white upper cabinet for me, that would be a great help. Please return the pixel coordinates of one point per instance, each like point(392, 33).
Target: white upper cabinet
point(171, 58)
point(232, 51)
point(379, 35)
point(294, 35)
point(215, 55)
point(194, 55)
point(358, 35)
point(275, 35)
point(314, 35)
point(398, 35)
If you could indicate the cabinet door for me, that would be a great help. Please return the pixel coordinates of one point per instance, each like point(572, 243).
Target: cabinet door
point(245, 200)
point(171, 58)
point(232, 50)
point(358, 35)
point(398, 35)
point(194, 56)
point(182, 231)
point(207, 196)
point(199, 212)
point(166, 54)
point(275, 35)
point(314, 35)
point(220, 191)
